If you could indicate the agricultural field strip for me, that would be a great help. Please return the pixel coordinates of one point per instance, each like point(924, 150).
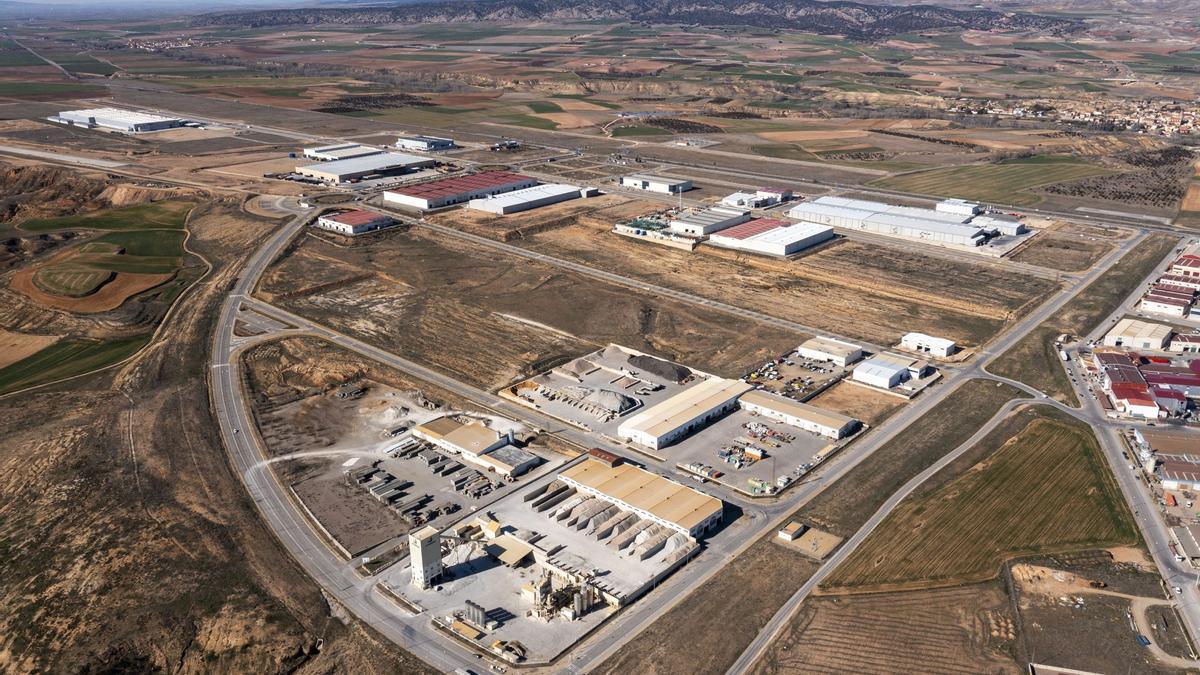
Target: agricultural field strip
point(769, 632)
point(633, 283)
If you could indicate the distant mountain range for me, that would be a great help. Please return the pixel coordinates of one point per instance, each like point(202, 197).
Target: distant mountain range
point(853, 19)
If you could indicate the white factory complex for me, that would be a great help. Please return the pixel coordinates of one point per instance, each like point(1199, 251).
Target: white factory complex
point(527, 198)
point(952, 223)
point(705, 221)
point(424, 143)
point(441, 192)
point(355, 168)
point(769, 236)
point(668, 186)
point(116, 119)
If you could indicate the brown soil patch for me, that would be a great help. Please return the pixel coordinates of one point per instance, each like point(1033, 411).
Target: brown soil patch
point(16, 346)
point(109, 297)
point(567, 120)
point(815, 135)
point(1191, 201)
point(861, 403)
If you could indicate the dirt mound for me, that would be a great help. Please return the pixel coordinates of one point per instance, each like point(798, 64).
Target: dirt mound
point(131, 195)
point(37, 191)
point(664, 369)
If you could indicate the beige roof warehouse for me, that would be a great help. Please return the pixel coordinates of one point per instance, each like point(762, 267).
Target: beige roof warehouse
point(640, 489)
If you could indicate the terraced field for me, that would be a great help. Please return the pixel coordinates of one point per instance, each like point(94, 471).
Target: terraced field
point(71, 281)
point(1047, 489)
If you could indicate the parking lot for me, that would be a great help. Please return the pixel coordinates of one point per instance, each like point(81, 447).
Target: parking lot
point(796, 377)
point(748, 452)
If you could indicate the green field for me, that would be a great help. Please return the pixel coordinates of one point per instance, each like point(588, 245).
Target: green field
point(1048, 490)
point(49, 90)
point(71, 280)
point(784, 151)
point(1034, 360)
point(585, 97)
point(1004, 183)
point(530, 121)
point(13, 55)
point(170, 215)
point(67, 358)
point(544, 107)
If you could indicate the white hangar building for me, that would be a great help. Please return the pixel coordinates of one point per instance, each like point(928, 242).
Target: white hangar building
point(827, 349)
point(668, 186)
point(526, 198)
point(927, 344)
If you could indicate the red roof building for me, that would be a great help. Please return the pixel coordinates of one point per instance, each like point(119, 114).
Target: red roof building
point(458, 189)
point(752, 227)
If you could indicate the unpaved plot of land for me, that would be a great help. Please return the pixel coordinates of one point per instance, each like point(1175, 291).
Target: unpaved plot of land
point(1065, 253)
point(351, 515)
point(868, 292)
point(869, 405)
point(955, 630)
point(16, 346)
point(490, 319)
point(110, 296)
point(1047, 488)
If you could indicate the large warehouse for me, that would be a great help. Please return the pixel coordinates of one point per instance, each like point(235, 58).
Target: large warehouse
point(683, 413)
point(887, 370)
point(650, 496)
point(382, 164)
point(355, 222)
point(117, 119)
point(526, 198)
point(928, 344)
point(706, 221)
point(332, 153)
point(771, 236)
point(1134, 334)
point(424, 143)
point(799, 415)
point(447, 191)
point(887, 219)
point(668, 186)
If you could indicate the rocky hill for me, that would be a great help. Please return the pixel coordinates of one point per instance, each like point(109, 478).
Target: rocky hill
point(852, 19)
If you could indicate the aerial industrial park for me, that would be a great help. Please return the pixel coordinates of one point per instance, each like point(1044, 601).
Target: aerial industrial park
point(484, 337)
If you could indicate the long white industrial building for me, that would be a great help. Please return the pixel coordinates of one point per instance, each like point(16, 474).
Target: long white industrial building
point(799, 415)
point(890, 220)
point(771, 237)
point(117, 119)
point(435, 194)
point(526, 198)
point(706, 221)
point(332, 153)
point(341, 170)
point(683, 413)
point(656, 184)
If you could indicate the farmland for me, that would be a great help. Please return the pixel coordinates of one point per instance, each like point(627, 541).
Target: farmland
point(1047, 489)
point(66, 358)
point(965, 630)
point(1034, 359)
point(1005, 183)
point(155, 215)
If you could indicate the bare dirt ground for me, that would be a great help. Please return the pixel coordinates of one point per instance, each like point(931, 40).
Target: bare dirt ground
point(16, 346)
point(1062, 252)
point(357, 520)
point(131, 546)
point(490, 319)
point(110, 296)
point(891, 291)
point(955, 630)
point(868, 405)
point(515, 226)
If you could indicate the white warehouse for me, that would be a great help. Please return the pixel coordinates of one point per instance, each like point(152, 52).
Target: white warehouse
point(958, 207)
point(927, 344)
point(355, 222)
point(668, 186)
point(799, 415)
point(827, 349)
point(772, 237)
point(526, 198)
point(424, 143)
point(127, 121)
point(887, 370)
point(890, 220)
point(706, 221)
point(332, 153)
point(689, 410)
